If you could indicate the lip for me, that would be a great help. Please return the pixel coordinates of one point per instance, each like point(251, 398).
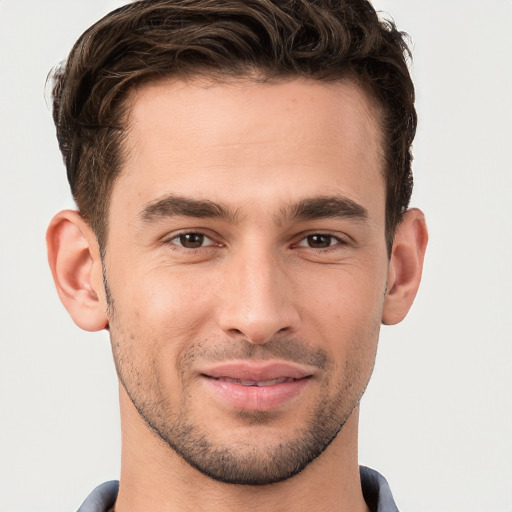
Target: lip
point(257, 371)
point(255, 386)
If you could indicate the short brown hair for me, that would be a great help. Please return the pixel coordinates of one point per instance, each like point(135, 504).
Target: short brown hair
point(150, 39)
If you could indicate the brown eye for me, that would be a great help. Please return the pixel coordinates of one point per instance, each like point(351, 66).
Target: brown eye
point(319, 241)
point(191, 240)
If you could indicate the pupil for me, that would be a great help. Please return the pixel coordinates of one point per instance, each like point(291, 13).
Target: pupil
point(319, 241)
point(192, 240)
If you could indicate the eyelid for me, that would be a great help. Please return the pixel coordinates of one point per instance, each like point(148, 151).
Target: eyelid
point(341, 238)
point(170, 238)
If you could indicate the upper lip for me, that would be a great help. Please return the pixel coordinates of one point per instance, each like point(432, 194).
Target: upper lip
point(256, 371)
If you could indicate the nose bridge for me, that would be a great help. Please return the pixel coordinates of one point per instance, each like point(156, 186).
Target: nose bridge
point(256, 298)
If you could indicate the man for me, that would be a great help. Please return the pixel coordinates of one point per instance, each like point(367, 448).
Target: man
point(242, 172)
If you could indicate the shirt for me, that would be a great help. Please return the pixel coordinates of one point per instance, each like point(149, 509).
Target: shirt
point(376, 492)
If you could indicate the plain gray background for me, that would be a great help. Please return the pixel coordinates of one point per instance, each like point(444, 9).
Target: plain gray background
point(437, 417)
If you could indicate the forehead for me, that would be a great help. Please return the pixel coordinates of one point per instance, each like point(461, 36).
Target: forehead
point(196, 105)
point(211, 137)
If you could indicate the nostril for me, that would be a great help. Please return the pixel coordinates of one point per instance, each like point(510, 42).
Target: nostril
point(257, 318)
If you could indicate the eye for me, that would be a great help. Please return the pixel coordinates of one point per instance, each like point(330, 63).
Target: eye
point(191, 240)
point(320, 241)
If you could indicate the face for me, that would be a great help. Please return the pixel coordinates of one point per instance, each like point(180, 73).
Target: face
point(246, 267)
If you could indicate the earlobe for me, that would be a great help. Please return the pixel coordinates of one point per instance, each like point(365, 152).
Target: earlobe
point(74, 258)
point(405, 267)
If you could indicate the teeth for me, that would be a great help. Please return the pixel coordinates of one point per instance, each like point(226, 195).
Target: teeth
point(257, 382)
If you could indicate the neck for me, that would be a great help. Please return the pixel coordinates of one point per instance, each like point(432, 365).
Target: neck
point(154, 477)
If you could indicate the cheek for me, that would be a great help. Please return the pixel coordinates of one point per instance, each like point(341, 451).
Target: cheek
point(162, 300)
point(342, 311)
point(156, 314)
point(345, 298)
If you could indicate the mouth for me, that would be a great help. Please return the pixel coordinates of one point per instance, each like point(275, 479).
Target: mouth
point(253, 386)
point(250, 373)
point(257, 383)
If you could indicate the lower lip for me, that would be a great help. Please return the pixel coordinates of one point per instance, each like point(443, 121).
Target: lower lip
point(255, 398)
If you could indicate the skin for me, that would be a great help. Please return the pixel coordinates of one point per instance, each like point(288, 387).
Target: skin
point(281, 275)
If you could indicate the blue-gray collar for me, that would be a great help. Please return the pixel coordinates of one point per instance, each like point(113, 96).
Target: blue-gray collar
point(376, 492)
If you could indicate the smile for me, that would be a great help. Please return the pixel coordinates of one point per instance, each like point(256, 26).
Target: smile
point(255, 386)
point(260, 383)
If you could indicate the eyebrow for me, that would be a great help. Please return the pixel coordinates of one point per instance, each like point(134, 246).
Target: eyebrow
point(328, 207)
point(171, 205)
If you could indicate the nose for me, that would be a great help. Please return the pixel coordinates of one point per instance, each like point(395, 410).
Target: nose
point(257, 300)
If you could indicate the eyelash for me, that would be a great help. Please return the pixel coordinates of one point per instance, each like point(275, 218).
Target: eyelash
point(178, 245)
point(171, 241)
point(336, 242)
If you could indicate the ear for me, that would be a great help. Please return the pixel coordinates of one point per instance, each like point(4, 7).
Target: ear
point(405, 266)
point(74, 257)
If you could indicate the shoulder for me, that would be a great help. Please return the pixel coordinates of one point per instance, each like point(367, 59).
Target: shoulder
point(376, 491)
point(102, 498)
